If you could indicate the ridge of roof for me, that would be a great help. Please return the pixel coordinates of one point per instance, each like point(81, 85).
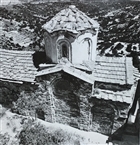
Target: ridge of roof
point(18, 66)
point(70, 19)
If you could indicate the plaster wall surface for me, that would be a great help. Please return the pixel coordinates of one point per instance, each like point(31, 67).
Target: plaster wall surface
point(84, 48)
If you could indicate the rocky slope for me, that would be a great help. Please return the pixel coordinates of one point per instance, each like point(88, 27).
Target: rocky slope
point(119, 23)
point(10, 2)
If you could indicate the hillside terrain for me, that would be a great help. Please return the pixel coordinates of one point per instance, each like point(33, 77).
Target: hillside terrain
point(119, 32)
point(9, 2)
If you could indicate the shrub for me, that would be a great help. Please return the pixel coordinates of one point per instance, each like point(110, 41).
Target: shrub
point(4, 139)
point(37, 134)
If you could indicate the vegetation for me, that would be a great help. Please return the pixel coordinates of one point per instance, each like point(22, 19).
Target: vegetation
point(118, 21)
point(37, 134)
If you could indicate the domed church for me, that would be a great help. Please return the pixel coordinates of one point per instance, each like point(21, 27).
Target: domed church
point(78, 88)
point(72, 35)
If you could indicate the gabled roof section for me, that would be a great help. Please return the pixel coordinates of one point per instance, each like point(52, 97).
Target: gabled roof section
point(17, 66)
point(70, 19)
point(126, 96)
point(70, 70)
point(116, 70)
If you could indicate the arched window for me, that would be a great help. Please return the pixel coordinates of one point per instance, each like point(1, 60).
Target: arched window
point(64, 49)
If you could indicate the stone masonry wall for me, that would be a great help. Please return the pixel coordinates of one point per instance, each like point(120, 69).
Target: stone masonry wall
point(71, 100)
point(107, 117)
point(65, 99)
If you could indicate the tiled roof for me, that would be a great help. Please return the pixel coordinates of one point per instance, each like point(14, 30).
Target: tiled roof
point(17, 66)
point(70, 70)
point(70, 19)
point(49, 71)
point(126, 96)
point(117, 70)
point(136, 73)
point(107, 69)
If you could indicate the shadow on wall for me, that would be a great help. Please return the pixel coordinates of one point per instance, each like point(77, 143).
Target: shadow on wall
point(8, 93)
point(40, 57)
point(104, 117)
point(63, 90)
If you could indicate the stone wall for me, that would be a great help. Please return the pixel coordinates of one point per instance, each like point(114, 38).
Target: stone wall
point(34, 99)
point(67, 106)
point(106, 115)
point(8, 93)
point(62, 98)
point(71, 100)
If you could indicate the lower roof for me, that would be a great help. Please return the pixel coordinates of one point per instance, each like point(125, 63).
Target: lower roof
point(18, 66)
point(116, 70)
point(126, 96)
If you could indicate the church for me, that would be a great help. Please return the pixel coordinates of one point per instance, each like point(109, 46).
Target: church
point(77, 87)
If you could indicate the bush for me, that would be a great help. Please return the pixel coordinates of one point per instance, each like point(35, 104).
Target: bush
point(4, 139)
point(37, 134)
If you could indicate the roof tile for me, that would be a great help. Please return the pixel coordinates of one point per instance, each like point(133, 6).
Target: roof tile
point(113, 70)
point(17, 65)
point(72, 19)
point(20, 63)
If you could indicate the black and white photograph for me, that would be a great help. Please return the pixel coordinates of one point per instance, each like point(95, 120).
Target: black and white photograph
point(69, 72)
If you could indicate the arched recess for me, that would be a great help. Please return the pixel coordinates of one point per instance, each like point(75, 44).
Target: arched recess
point(61, 86)
point(40, 113)
point(64, 49)
point(89, 48)
point(63, 91)
point(103, 116)
point(49, 46)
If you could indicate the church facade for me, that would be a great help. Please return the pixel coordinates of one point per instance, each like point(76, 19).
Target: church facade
point(78, 88)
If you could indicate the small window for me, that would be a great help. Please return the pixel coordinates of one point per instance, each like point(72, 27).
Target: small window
point(40, 114)
point(64, 50)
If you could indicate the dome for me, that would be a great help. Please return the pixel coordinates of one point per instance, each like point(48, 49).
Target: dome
point(70, 19)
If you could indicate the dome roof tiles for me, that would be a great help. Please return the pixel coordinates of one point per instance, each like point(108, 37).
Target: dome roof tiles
point(70, 19)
